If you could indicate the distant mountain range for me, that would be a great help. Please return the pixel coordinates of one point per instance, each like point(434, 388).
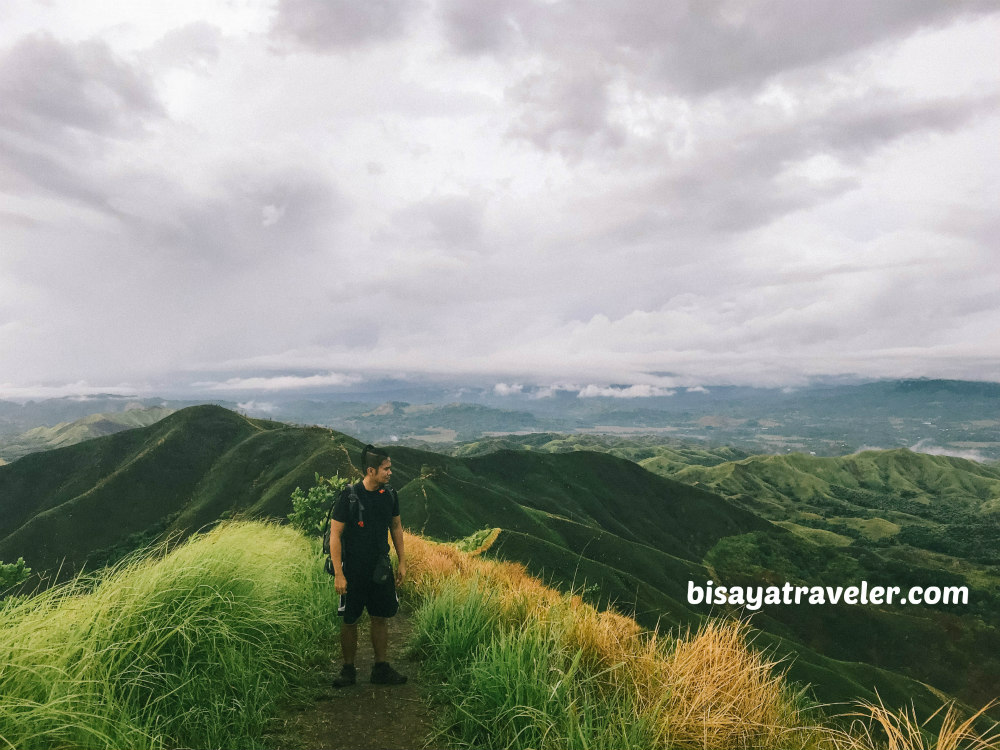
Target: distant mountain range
point(941, 503)
point(70, 433)
point(16, 418)
point(944, 417)
point(624, 535)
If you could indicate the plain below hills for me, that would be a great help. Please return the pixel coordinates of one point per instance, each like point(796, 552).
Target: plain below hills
point(601, 524)
point(951, 416)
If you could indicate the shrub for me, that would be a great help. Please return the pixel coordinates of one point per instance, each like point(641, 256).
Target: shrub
point(13, 574)
point(309, 509)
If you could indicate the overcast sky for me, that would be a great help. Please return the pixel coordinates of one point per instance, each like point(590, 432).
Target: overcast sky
point(536, 191)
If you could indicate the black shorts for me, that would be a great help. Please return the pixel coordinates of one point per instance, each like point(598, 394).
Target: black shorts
point(379, 599)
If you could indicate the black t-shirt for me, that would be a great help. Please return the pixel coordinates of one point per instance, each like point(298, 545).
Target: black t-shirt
point(361, 546)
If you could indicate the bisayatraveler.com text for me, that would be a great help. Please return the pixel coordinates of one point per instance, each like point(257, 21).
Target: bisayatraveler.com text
point(755, 597)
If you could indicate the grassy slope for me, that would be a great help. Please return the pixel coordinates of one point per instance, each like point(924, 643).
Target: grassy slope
point(189, 649)
point(593, 489)
point(952, 648)
point(198, 647)
point(657, 600)
point(523, 666)
point(556, 512)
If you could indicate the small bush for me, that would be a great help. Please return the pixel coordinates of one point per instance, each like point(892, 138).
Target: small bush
point(309, 509)
point(13, 574)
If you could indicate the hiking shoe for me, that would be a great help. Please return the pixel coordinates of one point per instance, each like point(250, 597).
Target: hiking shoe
point(348, 676)
point(383, 674)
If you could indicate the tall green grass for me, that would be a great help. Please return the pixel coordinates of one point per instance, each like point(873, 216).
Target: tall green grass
point(191, 648)
point(519, 686)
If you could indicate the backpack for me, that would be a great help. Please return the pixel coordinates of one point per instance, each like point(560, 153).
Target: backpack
point(356, 508)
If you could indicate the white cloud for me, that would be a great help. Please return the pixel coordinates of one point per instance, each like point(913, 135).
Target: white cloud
point(271, 214)
point(550, 391)
point(927, 446)
point(280, 382)
point(503, 389)
point(258, 406)
point(79, 390)
point(632, 391)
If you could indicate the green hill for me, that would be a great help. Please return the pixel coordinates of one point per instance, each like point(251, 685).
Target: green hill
point(663, 452)
point(72, 504)
point(628, 538)
point(560, 517)
point(937, 503)
point(593, 489)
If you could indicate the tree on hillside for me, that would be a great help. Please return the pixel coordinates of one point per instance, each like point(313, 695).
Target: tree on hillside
point(13, 574)
point(309, 509)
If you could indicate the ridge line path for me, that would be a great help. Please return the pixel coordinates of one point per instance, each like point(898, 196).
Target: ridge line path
point(363, 716)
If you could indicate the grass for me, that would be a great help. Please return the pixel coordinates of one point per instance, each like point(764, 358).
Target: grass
point(190, 648)
point(196, 647)
point(880, 728)
point(524, 666)
point(521, 666)
point(573, 518)
point(819, 536)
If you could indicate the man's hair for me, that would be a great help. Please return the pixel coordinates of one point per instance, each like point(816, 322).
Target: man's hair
point(372, 458)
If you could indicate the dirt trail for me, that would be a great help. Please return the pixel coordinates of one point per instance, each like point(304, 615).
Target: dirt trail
point(365, 716)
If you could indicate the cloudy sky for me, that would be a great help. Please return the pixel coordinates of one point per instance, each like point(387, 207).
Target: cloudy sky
point(533, 190)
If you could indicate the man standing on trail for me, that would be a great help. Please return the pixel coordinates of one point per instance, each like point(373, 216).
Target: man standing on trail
point(362, 518)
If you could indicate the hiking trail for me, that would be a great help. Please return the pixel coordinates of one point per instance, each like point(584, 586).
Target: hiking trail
point(363, 716)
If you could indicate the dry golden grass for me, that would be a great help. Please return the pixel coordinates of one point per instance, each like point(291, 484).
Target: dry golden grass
point(708, 689)
point(487, 542)
point(878, 728)
point(721, 693)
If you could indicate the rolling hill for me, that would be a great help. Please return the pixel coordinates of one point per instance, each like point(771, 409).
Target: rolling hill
point(75, 504)
point(939, 503)
point(626, 537)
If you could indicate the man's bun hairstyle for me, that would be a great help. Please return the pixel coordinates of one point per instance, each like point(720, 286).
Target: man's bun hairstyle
point(372, 458)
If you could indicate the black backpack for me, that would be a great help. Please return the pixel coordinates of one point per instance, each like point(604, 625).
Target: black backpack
point(356, 508)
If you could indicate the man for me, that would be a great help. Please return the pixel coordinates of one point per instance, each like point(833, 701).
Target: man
point(359, 550)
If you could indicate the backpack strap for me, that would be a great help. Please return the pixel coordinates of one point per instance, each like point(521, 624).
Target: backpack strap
point(354, 503)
